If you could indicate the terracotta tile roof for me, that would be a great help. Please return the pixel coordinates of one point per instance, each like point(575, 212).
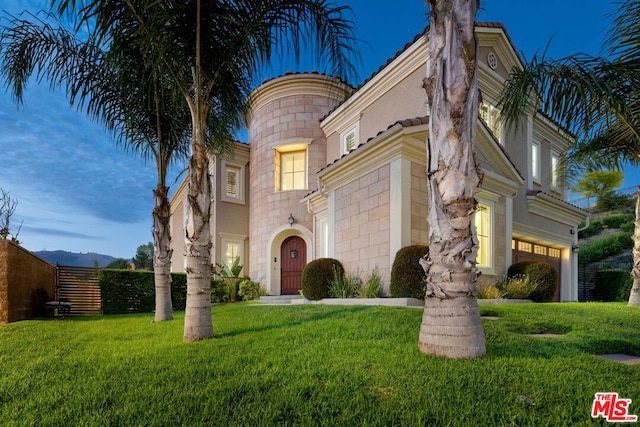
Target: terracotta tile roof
point(404, 123)
point(498, 25)
point(536, 193)
point(302, 73)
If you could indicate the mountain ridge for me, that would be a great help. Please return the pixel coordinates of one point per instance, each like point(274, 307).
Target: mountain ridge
point(75, 259)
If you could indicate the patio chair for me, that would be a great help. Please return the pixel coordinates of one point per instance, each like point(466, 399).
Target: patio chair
point(64, 307)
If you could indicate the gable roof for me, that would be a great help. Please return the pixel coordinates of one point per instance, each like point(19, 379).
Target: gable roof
point(496, 25)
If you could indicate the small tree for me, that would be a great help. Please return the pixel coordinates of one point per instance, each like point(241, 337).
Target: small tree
point(144, 257)
point(8, 207)
point(600, 184)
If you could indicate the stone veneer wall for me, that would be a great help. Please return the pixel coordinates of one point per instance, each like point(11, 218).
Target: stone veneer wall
point(419, 205)
point(362, 224)
point(287, 109)
point(21, 273)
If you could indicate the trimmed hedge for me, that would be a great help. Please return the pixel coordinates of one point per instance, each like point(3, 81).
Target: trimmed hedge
point(130, 291)
point(407, 275)
point(540, 272)
point(612, 285)
point(317, 277)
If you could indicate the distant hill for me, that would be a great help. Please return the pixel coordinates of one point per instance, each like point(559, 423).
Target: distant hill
point(74, 259)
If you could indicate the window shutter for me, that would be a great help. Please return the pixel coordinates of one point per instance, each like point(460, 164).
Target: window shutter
point(232, 182)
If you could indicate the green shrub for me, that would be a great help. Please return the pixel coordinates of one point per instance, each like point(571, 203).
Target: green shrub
point(541, 273)
point(489, 292)
point(133, 291)
point(616, 220)
point(372, 286)
point(317, 276)
point(613, 200)
point(517, 287)
point(606, 246)
point(628, 226)
point(407, 275)
point(612, 285)
point(343, 285)
point(220, 291)
point(249, 290)
point(595, 227)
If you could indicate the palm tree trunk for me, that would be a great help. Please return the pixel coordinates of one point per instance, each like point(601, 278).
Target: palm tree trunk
point(197, 319)
point(634, 297)
point(162, 254)
point(197, 322)
point(451, 324)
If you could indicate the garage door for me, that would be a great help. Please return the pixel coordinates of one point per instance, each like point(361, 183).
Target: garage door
point(528, 251)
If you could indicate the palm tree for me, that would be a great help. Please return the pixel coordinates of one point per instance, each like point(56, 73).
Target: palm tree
point(121, 92)
point(213, 51)
point(594, 97)
point(451, 325)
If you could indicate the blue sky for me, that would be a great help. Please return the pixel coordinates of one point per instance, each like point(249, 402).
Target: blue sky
point(78, 191)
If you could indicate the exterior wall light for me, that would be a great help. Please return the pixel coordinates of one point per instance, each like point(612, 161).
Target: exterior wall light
point(575, 249)
point(291, 219)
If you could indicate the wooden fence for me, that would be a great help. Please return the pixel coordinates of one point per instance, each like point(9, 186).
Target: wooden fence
point(79, 285)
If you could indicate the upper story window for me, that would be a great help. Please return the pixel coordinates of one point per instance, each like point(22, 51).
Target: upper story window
point(233, 183)
point(535, 161)
point(491, 116)
point(290, 169)
point(555, 171)
point(349, 141)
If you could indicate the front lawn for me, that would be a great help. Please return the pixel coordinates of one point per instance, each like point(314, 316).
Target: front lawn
point(316, 365)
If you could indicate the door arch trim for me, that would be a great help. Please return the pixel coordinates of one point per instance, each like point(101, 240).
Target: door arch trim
point(273, 252)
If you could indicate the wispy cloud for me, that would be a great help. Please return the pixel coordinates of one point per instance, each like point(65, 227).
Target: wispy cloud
point(61, 233)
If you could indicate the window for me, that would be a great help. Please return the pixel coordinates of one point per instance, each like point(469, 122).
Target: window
point(491, 116)
point(232, 251)
point(349, 141)
point(232, 184)
point(555, 171)
point(291, 170)
point(233, 181)
point(535, 161)
point(482, 221)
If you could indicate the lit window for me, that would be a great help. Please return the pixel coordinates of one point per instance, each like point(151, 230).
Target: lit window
point(535, 161)
point(482, 221)
point(539, 250)
point(555, 172)
point(554, 253)
point(491, 116)
point(232, 251)
point(349, 141)
point(524, 246)
point(291, 170)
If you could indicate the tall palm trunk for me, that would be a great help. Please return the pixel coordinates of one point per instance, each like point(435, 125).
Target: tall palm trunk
point(162, 254)
point(197, 320)
point(451, 324)
point(634, 297)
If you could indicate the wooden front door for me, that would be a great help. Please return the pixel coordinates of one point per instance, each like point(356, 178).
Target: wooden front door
point(293, 256)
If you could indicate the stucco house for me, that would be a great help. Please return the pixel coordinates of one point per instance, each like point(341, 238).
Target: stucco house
point(333, 171)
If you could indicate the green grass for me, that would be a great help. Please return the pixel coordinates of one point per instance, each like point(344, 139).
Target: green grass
point(315, 365)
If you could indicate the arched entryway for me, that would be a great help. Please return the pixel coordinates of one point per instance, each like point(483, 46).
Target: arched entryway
point(293, 256)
